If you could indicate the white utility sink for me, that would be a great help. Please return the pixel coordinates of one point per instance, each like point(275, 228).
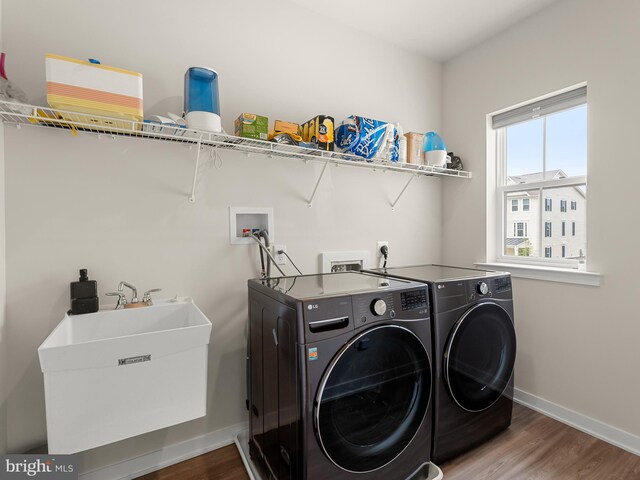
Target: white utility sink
point(114, 374)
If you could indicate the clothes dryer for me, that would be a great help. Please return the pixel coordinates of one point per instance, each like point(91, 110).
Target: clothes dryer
point(474, 353)
point(340, 377)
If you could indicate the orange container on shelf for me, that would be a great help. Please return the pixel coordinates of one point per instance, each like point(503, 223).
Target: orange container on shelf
point(94, 90)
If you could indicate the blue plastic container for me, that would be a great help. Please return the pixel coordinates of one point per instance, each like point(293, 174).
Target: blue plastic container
point(201, 102)
point(201, 90)
point(433, 141)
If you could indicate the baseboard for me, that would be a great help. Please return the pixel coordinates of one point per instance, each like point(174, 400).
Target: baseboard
point(625, 440)
point(167, 456)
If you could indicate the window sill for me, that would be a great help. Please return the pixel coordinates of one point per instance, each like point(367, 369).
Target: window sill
point(562, 275)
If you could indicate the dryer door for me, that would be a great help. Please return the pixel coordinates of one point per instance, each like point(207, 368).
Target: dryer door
point(479, 356)
point(373, 398)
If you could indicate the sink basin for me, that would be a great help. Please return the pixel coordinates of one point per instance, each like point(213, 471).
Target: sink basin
point(114, 374)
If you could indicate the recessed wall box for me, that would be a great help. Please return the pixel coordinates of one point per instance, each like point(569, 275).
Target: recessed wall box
point(344, 261)
point(249, 219)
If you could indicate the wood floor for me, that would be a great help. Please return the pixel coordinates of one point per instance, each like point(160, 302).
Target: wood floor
point(224, 463)
point(535, 447)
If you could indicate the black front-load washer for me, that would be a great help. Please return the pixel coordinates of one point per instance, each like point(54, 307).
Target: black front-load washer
point(340, 377)
point(474, 351)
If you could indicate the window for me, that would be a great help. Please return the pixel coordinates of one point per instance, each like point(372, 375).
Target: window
point(547, 205)
point(541, 155)
point(564, 251)
point(520, 229)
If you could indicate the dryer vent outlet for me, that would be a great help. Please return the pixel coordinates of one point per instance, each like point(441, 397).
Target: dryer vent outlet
point(346, 266)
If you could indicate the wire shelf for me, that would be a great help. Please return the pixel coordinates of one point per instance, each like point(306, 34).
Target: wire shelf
point(21, 114)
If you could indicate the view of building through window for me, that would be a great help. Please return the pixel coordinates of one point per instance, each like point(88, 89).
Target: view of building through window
point(546, 216)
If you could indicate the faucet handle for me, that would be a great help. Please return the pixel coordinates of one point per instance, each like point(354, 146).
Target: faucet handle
point(146, 298)
point(122, 300)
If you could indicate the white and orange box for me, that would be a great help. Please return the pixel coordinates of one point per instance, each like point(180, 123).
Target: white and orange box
point(94, 89)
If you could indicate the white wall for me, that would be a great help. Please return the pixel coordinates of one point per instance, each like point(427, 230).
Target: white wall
point(4, 344)
point(577, 346)
point(119, 207)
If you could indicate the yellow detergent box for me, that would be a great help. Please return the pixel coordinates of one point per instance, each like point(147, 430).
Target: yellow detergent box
point(319, 130)
point(88, 87)
point(249, 125)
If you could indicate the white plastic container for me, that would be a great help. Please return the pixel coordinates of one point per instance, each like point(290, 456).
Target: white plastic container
point(114, 374)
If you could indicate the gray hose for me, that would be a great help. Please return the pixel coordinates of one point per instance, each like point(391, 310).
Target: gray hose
point(267, 243)
point(269, 256)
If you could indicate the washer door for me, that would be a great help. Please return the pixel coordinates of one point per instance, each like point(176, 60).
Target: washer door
point(373, 398)
point(479, 356)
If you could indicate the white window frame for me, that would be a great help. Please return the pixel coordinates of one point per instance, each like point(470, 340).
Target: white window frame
point(540, 268)
point(550, 251)
point(541, 186)
point(514, 203)
point(563, 206)
point(528, 204)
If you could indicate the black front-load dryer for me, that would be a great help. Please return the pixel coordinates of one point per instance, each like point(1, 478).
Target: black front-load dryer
point(340, 377)
point(474, 350)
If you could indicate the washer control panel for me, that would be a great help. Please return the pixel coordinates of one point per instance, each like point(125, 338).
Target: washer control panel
point(399, 305)
point(413, 299)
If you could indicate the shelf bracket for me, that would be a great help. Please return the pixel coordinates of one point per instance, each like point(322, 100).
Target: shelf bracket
point(393, 205)
point(310, 202)
point(192, 198)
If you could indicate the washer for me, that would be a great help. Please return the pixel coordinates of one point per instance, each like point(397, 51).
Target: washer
point(474, 354)
point(339, 376)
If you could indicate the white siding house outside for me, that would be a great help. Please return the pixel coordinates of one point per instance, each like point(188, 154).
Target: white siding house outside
point(559, 233)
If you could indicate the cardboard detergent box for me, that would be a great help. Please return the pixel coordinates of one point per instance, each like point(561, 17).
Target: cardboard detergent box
point(319, 130)
point(249, 125)
point(286, 127)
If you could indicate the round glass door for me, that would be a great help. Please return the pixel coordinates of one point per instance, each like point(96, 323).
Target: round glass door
point(480, 356)
point(373, 398)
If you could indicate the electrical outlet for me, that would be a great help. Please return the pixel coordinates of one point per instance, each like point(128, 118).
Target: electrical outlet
point(281, 258)
point(379, 245)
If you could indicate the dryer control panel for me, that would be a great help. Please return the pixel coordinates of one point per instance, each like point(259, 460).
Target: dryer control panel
point(488, 288)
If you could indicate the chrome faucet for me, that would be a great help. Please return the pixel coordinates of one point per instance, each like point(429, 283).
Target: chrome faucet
point(122, 300)
point(134, 298)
